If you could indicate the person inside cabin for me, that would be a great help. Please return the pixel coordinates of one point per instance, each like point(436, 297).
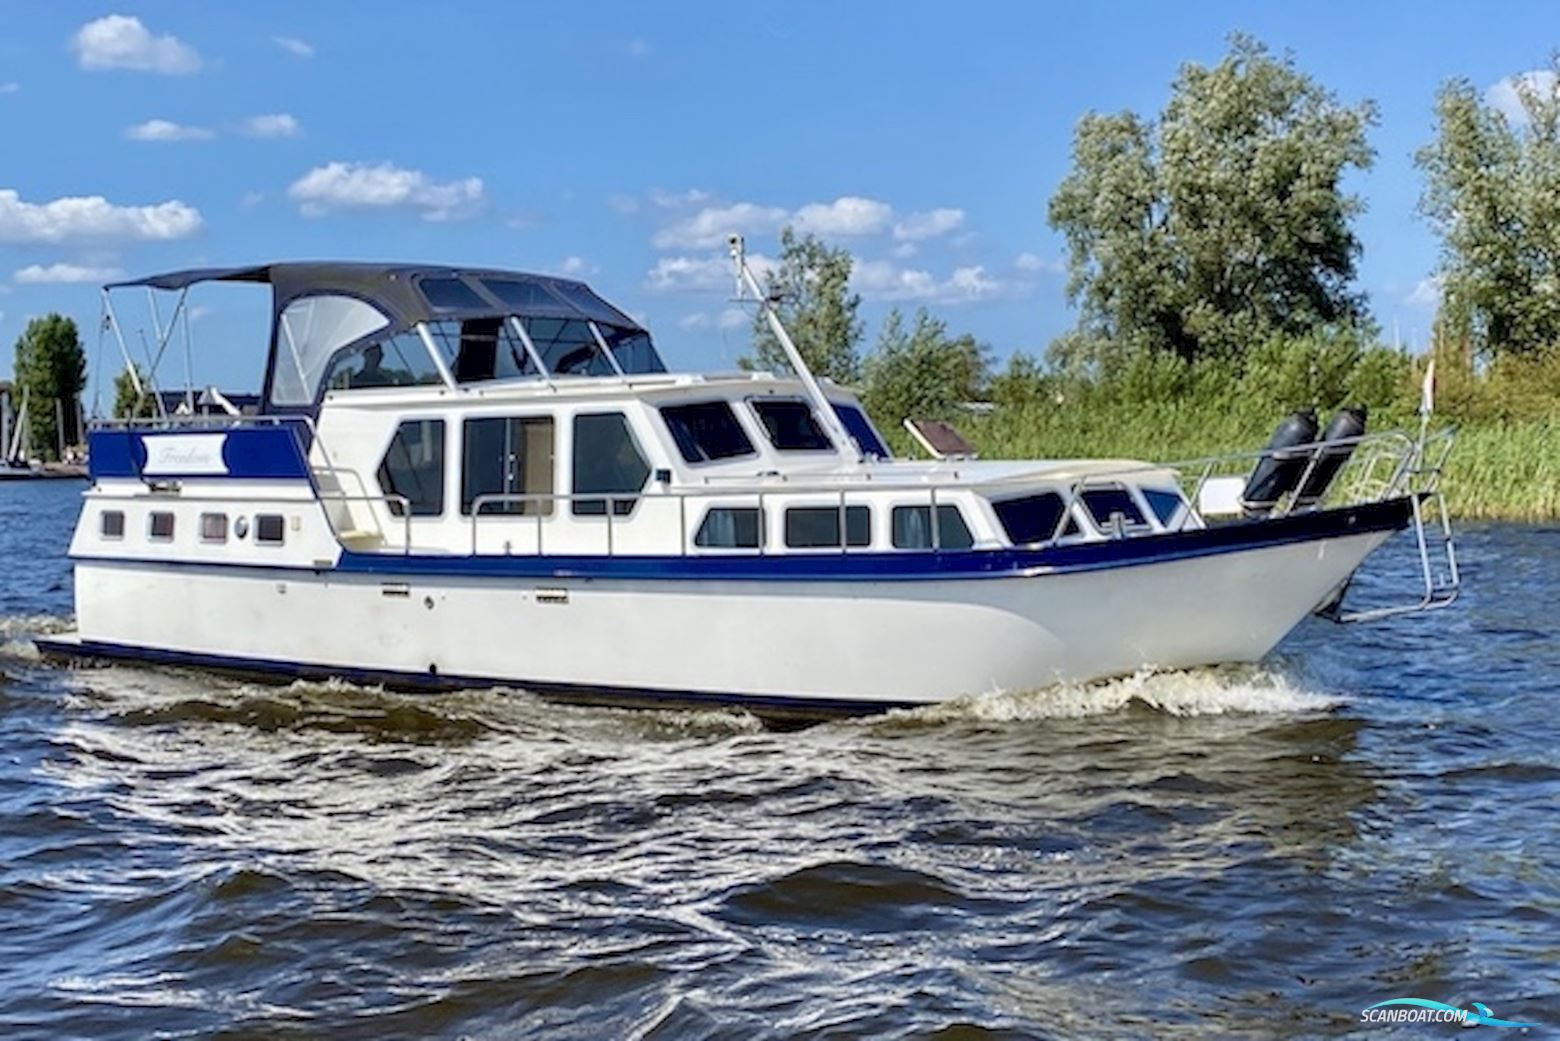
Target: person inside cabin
point(478, 356)
point(373, 374)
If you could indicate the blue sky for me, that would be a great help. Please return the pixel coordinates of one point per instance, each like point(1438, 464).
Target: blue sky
point(617, 142)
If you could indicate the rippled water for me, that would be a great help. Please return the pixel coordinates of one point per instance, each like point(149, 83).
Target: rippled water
point(1242, 851)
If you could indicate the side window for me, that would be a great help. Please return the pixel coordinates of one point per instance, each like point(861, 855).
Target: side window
point(413, 467)
point(401, 361)
point(112, 525)
point(1033, 518)
point(507, 456)
point(860, 428)
point(606, 459)
point(485, 348)
point(730, 527)
point(913, 528)
point(813, 527)
point(706, 431)
point(1105, 503)
point(270, 529)
point(791, 426)
point(213, 527)
point(159, 527)
point(568, 347)
point(1166, 505)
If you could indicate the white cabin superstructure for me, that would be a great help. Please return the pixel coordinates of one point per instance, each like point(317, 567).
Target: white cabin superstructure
point(461, 477)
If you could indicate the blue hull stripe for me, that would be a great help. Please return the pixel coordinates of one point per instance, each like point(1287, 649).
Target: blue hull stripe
point(74, 650)
point(253, 453)
point(1240, 536)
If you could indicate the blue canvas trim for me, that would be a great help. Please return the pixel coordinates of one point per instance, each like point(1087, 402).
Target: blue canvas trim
point(66, 649)
point(860, 566)
point(251, 452)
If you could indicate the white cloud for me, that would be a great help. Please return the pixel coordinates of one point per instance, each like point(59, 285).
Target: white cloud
point(904, 251)
point(55, 274)
point(677, 200)
point(79, 218)
point(166, 130)
point(733, 318)
point(848, 215)
point(882, 280)
point(1426, 293)
point(10, 88)
point(249, 200)
point(709, 227)
point(697, 320)
point(928, 225)
point(702, 274)
point(577, 267)
point(121, 42)
point(277, 124)
point(1033, 262)
point(360, 186)
point(294, 46)
point(1506, 95)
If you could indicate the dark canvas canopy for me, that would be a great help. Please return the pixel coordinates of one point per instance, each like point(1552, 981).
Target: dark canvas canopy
point(397, 289)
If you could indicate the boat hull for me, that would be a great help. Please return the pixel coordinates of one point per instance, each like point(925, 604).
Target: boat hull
point(812, 645)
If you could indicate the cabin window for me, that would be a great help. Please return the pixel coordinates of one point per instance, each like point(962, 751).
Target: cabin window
point(815, 527)
point(1166, 505)
point(791, 426)
point(913, 528)
point(730, 527)
point(270, 529)
point(508, 456)
point(413, 468)
point(401, 361)
point(632, 349)
point(582, 299)
point(706, 431)
point(859, 427)
point(478, 349)
point(451, 294)
point(524, 297)
point(567, 347)
point(112, 524)
point(1034, 518)
point(160, 527)
point(213, 527)
point(1105, 503)
point(607, 459)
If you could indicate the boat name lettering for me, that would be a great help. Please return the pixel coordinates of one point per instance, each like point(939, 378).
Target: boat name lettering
point(185, 454)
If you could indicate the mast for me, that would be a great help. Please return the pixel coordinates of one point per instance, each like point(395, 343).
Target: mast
point(747, 283)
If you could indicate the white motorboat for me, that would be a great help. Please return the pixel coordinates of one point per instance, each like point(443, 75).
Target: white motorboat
point(462, 477)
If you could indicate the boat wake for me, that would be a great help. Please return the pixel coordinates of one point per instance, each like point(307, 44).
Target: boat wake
point(1212, 691)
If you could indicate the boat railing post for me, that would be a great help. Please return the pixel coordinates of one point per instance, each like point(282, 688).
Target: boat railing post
point(1192, 507)
point(539, 551)
point(763, 524)
point(611, 505)
point(1294, 497)
point(682, 522)
point(934, 519)
point(844, 529)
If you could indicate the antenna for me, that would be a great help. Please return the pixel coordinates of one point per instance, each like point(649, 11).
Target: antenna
point(749, 288)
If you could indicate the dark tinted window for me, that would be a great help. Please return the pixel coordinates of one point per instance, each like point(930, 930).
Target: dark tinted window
point(809, 527)
point(1104, 502)
point(484, 348)
point(1031, 519)
point(508, 456)
point(706, 431)
point(567, 347)
point(451, 294)
point(913, 528)
point(213, 527)
point(113, 524)
point(791, 426)
point(606, 459)
point(401, 361)
point(859, 427)
point(413, 467)
point(589, 304)
point(270, 529)
point(524, 297)
point(632, 349)
point(728, 527)
point(160, 526)
point(1164, 504)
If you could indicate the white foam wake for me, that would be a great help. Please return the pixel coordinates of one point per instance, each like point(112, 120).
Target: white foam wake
point(1194, 692)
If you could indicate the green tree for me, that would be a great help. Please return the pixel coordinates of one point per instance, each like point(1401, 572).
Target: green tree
point(127, 403)
point(1492, 191)
point(1221, 223)
point(922, 371)
point(51, 367)
point(812, 284)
